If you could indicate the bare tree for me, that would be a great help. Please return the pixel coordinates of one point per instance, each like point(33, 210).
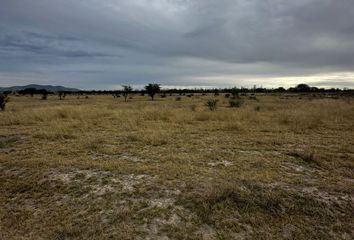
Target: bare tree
point(127, 89)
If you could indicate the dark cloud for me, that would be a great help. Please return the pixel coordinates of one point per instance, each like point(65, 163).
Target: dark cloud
point(176, 42)
point(44, 44)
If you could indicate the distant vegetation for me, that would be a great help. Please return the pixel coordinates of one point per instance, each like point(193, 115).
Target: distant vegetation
point(33, 91)
point(44, 96)
point(212, 104)
point(3, 100)
point(235, 103)
point(126, 90)
point(233, 94)
point(152, 89)
point(61, 95)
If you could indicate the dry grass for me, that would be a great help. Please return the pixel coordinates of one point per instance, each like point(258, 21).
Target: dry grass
point(100, 168)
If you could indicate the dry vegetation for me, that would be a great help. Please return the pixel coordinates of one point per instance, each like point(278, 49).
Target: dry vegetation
point(274, 167)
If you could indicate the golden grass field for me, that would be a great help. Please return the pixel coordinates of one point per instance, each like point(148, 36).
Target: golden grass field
point(102, 168)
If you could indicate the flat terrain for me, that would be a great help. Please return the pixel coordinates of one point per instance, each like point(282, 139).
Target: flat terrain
point(278, 167)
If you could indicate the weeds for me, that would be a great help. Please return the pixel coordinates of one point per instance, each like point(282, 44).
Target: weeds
point(212, 104)
point(235, 103)
point(104, 169)
point(233, 205)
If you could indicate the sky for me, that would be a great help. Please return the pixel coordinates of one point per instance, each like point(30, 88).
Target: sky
point(103, 44)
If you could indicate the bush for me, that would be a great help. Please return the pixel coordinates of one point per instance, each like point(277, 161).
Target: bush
point(193, 107)
point(227, 95)
point(178, 98)
point(211, 104)
point(3, 101)
point(235, 103)
point(61, 95)
point(44, 96)
point(115, 95)
point(253, 98)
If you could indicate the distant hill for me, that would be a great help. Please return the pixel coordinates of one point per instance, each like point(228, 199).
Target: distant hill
point(49, 88)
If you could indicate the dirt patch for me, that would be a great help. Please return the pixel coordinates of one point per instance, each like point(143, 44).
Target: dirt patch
point(207, 232)
point(224, 163)
point(7, 143)
point(250, 152)
point(330, 198)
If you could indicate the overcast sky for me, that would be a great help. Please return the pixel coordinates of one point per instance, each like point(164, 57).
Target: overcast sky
point(102, 44)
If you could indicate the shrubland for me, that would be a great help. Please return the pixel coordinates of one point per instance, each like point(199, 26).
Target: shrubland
point(269, 167)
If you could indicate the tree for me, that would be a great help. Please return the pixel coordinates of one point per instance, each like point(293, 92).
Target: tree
point(61, 95)
point(44, 96)
point(280, 89)
point(234, 91)
point(30, 91)
point(44, 93)
point(303, 88)
point(152, 89)
point(126, 90)
point(3, 101)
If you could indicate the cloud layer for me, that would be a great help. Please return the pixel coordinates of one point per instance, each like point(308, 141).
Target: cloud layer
point(103, 44)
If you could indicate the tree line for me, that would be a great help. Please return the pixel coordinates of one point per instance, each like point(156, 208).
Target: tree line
point(153, 88)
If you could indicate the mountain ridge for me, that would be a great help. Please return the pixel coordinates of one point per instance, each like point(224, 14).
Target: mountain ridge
point(50, 88)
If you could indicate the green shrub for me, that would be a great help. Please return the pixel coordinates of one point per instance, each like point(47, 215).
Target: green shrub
point(235, 103)
point(211, 104)
point(3, 101)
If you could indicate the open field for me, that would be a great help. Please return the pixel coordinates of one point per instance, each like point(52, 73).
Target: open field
point(278, 167)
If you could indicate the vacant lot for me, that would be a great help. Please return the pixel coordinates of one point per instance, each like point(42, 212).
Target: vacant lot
point(276, 167)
